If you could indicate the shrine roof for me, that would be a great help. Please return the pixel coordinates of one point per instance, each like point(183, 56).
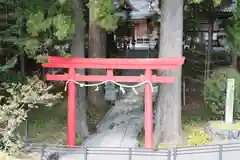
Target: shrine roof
point(227, 6)
point(142, 9)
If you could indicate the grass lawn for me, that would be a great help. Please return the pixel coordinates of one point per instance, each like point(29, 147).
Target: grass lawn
point(47, 125)
point(195, 119)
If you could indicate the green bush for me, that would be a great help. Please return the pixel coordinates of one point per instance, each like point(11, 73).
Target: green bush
point(16, 100)
point(215, 91)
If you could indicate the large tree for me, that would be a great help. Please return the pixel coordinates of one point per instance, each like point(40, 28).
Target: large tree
point(97, 49)
point(168, 122)
point(78, 50)
point(169, 98)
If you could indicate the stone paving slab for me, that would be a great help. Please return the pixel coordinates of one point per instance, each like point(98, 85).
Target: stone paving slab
point(119, 128)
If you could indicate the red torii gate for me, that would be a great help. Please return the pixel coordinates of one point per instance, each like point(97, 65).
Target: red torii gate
point(109, 64)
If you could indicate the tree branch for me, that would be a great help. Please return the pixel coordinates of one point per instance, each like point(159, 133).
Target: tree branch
point(76, 6)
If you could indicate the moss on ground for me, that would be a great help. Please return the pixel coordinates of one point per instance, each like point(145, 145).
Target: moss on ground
point(49, 125)
point(194, 122)
point(235, 126)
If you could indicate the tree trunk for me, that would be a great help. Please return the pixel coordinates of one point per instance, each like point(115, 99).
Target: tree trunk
point(97, 49)
point(209, 49)
point(22, 63)
point(112, 51)
point(78, 50)
point(234, 61)
point(168, 121)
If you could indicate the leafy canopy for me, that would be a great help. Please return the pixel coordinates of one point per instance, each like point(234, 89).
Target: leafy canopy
point(41, 25)
point(104, 14)
point(233, 31)
point(214, 2)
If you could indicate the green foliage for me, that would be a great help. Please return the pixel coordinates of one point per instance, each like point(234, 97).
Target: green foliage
point(44, 30)
point(62, 1)
point(196, 1)
point(215, 91)
point(9, 64)
point(204, 6)
point(189, 19)
point(39, 25)
point(233, 31)
point(12, 77)
point(214, 2)
point(104, 14)
point(16, 100)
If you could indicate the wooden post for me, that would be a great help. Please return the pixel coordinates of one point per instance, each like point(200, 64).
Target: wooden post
point(209, 49)
point(71, 109)
point(184, 92)
point(148, 112)
point(229, 103)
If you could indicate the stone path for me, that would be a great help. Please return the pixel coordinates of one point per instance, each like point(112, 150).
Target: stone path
point(121, 125)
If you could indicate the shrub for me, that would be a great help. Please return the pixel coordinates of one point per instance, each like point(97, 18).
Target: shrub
point(16, 100)
point(215, 91)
